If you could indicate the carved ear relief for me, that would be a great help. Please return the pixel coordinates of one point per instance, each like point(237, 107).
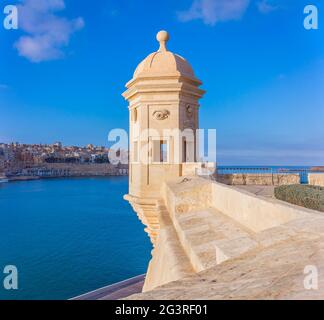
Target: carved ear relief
point(189, 111)
point(161, 114)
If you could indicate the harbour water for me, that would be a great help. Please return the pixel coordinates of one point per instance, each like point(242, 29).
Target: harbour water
point(69, 236)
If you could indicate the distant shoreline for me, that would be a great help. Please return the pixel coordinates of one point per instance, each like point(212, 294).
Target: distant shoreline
point(33, 178)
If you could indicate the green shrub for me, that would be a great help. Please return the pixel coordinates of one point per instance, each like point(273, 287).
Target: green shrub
point(311, 197)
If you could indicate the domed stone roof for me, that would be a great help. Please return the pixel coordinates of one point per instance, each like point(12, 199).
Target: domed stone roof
point(164, 62)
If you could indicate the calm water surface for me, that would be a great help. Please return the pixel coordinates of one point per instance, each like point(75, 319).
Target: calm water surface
point(69, 236)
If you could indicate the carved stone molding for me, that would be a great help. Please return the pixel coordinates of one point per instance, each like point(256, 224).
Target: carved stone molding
point(134, 115)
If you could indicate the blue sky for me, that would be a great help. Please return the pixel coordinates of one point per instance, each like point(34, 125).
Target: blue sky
point(62, 73)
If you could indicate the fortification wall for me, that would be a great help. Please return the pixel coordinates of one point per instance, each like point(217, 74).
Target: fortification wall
point(316, 179)
point(275, 179)
point(205, 223)
point(75, 170)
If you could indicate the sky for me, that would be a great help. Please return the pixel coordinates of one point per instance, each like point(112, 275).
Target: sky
point(63, 71)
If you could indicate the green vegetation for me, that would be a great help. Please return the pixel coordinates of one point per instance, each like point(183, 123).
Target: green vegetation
point(311, 197)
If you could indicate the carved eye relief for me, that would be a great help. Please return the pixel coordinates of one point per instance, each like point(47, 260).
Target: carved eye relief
point(161, 114)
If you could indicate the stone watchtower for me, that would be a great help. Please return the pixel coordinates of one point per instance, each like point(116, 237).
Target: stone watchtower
point(163, 101)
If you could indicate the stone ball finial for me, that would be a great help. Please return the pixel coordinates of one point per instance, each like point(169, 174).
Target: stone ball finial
point(163, 37)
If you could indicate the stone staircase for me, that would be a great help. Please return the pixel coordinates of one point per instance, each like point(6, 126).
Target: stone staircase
point(194, 241)
point(210, 238)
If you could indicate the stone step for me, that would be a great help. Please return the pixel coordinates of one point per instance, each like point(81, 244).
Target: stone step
point(210, 238)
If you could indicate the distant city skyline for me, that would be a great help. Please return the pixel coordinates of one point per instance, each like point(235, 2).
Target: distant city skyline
point(262, 70)
point(53, 143)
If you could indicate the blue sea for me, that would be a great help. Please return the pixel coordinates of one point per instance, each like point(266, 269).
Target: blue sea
point(69, 236)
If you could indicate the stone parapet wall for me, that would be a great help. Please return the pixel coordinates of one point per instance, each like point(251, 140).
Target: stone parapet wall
point(316, 179)
point(250, 211)
point(264, 179)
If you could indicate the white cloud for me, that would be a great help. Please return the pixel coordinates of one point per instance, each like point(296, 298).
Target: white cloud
point(265, 7)
point(47, 34)
point(214, 11)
